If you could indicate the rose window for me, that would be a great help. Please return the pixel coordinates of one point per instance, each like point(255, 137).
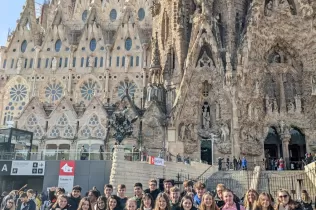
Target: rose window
point(53, 92)
point(88, 90)
point(86, 132)
point(126, 87)
point(18, 92)
point(62, 120)
point(32, 120)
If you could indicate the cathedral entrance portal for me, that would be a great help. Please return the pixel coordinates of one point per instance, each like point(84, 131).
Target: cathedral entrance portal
point(273, 146)
point(207, 151)
point(297, 145)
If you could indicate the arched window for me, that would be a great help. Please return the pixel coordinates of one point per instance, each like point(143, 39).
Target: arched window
point(39, 63)
point(25, 63)
point(123, 61)
point(113, 15)
point(84, 15)
point(12, 63)
point(31, 63)
point(128, 44)
point(74, 62)
point(131, 61)
point(23, 46)
point(93, 44)
point(46, 63)
point(82, 62)
point(95, 62)
point(117, 61)
point(66, 63)
point(60, 62)
point(137, 60)
point(101, 62)
point(58, 45)
point(141, 14)
point(4, 63)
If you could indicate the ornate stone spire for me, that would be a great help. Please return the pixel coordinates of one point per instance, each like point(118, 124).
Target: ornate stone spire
point(155, 60)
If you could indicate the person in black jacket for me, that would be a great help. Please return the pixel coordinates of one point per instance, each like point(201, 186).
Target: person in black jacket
point(152, 190)
point(24, 203)
point(74, 198)
point(188, 187)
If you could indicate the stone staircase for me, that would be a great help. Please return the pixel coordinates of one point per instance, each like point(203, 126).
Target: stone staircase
point(238, 181)
point(293, 181)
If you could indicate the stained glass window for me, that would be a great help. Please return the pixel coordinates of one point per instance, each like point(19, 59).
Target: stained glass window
point(86, 132)
point(60, 62)
point(141, 14)
point(123, 61)
point(128, 44)
point(12, 63)
point(99, 132)
point(101, 62)
point(39, 63)
point(66, 63)
point(117, 61)
point(88, 89)
point(94, 120)
point(96, 62)
point(62, 120)
point(74, 62)
point(130, 87)
point(46, 63)
point(31, 63)
point(23, 46)
point(84, 15)
point(38, 132)
point(32, 120)
point(137, 60)
point(131, 61)
point(4, 63)
point(93, 44)
point(53, 92)
point(58, 45)
point(69, 132)
point(82, 62)
point(18, 92)
point(55, 132)
point(25, 63)
point(113, 15)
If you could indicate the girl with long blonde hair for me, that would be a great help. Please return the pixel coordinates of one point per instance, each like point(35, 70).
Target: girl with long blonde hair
point(264, 202)
point(250, 198)
point(208, 202)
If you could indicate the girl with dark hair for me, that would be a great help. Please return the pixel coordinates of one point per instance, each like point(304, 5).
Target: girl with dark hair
point(162, 202)
point(306, 201)
point(264, 202)
point(113, 203)
point(61, 203)
point(101, 203)
point(187, 203)
point(230, 204)
point(84, 204)
point(147, 202)
point(208, 202)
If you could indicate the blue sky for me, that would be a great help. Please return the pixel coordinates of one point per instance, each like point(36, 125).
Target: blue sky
point(9, 13)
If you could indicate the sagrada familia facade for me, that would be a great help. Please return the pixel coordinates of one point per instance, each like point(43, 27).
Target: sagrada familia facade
point(206, 78)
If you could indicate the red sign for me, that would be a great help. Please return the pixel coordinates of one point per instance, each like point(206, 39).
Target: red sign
point(67, 168)
point(151, 160)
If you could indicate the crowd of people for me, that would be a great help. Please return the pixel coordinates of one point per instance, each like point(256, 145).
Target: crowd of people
point(193, 197)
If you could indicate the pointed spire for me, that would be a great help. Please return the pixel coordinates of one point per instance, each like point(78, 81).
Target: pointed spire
point(155, 61)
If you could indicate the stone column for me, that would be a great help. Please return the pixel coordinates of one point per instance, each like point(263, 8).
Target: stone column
point(144, 77)
point(285, 147)
point(282, 102)
point(144, 55)
point(107, 64)
point(107, 75)
point(37, 50)
point(69, 81)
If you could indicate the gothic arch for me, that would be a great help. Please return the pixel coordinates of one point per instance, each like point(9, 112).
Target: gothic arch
point(205, 58)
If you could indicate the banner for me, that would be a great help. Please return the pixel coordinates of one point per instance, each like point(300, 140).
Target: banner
point(66, 175)
point(28, 168)
point(156, 161)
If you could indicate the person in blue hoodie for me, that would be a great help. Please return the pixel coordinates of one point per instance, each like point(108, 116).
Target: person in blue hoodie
point(200, 189)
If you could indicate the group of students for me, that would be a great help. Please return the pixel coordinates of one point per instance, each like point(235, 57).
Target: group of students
point(193, 197)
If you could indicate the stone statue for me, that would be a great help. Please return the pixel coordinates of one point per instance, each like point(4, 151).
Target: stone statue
point(127, 63)
point(283, 127)
point(206, 115)
point(290, 107)
point(182, 132)
point(224, 130)
point(268, 105)
point(298, 104)
point(269, 8)
point(275, 106)
point(205, 60)
point(91, 63)
point(314, 85)
point(54, 64)
point(19, 65)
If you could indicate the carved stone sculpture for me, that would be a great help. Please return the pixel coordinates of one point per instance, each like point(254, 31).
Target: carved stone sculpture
point(19, 65)
point(290, 107)
point(54, 64)
point(314, 85)
point(298, 103)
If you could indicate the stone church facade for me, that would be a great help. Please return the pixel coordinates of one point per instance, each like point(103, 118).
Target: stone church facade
point(206, 79)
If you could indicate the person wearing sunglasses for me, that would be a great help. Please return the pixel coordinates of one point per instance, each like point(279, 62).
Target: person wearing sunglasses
point(285, 202)
point(10, 205)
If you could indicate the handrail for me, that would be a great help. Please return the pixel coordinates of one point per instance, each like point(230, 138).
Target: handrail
point(199, 177)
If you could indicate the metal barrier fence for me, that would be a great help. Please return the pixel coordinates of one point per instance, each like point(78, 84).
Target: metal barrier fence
point(71, 155)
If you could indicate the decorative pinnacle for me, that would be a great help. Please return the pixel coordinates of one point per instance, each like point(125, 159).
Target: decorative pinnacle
point(155, 62)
